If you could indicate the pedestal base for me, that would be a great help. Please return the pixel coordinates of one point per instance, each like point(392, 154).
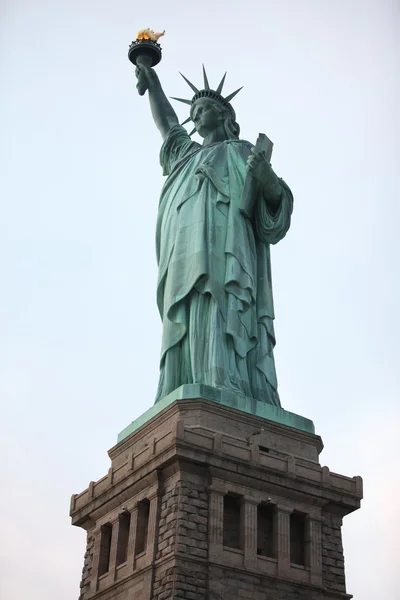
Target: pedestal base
point(223, 398)
point(208, 502)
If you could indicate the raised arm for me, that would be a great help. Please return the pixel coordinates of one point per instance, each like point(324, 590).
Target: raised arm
point(163, 114)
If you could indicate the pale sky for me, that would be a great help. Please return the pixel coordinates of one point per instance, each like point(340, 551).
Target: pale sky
point(80, 181)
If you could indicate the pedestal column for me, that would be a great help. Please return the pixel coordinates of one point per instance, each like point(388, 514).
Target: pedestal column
point(151, 531)
point(314, 550)
point(216, 522)
point(283, 545)
point(132, 539)
point(249, 532)
point(113, 551)
point(96, 559)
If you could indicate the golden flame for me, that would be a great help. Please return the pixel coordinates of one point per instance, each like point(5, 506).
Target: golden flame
point(149, 34)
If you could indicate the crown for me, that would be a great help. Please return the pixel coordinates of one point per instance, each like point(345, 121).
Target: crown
point(207, 92)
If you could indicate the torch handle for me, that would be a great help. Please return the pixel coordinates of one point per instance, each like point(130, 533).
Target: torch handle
point(144, 60)
point(142, 83)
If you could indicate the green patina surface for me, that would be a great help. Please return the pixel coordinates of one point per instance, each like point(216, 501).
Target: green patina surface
point(221, 207)
point(223, 398)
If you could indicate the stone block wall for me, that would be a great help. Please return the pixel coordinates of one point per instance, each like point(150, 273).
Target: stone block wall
point(87, 565)
point(333, 576)
point(183, 520)
point(228, 585)
point(183, 535)
point(181, 581)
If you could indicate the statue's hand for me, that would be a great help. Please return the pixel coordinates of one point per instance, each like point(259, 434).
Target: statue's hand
point(145, 76)
point(259, 167)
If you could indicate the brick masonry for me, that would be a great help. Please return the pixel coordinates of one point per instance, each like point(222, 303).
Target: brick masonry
point(87, 563)
point(332, 553)
point(183, 532)
point(184, 461)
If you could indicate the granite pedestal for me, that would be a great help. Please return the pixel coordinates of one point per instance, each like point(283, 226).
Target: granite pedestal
point(162, 523)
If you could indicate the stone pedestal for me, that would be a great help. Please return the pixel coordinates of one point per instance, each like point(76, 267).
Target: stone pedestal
point(197, 475)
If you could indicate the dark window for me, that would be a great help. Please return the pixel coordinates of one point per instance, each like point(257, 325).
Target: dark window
point(142, 526)
point(105, 547)
point(263, 449)
point(297, 538)
point(232, 521)
point(123, 537)
point(266, 530)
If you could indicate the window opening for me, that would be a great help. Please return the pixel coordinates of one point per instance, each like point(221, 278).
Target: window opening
point(266, 530)
point(105, 548)
point(297, 538)
point(142, 526)
point(123, 537)
point(232, 521)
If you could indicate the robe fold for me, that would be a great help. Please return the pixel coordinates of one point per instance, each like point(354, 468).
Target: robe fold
point(214, 290)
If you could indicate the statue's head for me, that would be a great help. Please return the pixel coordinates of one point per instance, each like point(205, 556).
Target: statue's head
point(208, 115)
point(209, 110)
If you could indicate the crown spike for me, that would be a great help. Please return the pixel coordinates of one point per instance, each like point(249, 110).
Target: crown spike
point(186, 121)
point(182, 100)
point(229, 98)
point(192, 132)
point(206, 84)
point(221, 85)
point(189, 83)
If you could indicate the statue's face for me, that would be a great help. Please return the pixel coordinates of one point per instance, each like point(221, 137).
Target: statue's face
point(206, 116)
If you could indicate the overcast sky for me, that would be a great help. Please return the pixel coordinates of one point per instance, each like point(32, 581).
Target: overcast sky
point(80, 181)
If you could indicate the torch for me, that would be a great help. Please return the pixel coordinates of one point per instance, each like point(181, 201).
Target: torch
point(145, 51)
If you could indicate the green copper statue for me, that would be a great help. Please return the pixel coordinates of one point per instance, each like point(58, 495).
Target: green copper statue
point(220, 209)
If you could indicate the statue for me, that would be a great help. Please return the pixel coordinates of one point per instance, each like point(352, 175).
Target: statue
point(221, 207)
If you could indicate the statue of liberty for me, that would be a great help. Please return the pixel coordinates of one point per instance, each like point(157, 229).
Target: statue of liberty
point(214, 290)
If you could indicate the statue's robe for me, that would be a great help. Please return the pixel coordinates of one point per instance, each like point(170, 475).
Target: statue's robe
point(214, 289)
